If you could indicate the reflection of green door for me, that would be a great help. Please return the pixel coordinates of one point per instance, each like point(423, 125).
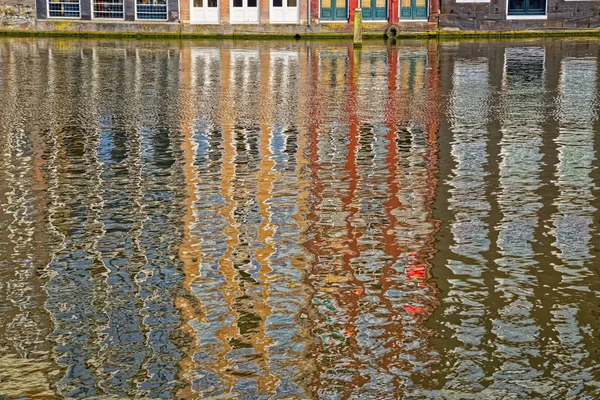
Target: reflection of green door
point(374, 9)
point(413, 9)
point(333, 10)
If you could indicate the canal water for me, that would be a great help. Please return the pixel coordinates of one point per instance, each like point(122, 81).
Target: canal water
point(299, 220)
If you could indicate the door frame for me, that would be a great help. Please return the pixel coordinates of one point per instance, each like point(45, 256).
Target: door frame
point(335, 21)
point(192, 22)
point(400, 19)
point(283, 7)
point(387, 12)
point(245, 22)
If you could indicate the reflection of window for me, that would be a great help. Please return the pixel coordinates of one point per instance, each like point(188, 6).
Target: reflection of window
point(108, 9)
point(152, 9)
point(64, 8)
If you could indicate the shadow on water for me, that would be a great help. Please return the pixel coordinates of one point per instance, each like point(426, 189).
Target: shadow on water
point(259, 220)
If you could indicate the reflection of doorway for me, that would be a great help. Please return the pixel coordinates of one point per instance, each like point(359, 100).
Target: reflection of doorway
point(374, 9)
point(526, 7)
point(284, 12)
point(413, 9)
point(334, 10)
point(244, 11)
point(204, 12)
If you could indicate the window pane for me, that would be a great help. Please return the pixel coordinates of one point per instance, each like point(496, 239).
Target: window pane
point(108, 9)
point(64, 8)
point(238, 3)
point(380, 3)
point(197, 3)
point(325, 3)
point(277, 3)
point(537, 5)
point(251, 3)
point(420, 3)
point(517, 5)
point(292, 3)
point(340, 4)
point(366, 3)
point(213, 3)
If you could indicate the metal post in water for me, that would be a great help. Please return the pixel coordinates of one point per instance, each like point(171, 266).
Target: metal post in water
point(358, 27)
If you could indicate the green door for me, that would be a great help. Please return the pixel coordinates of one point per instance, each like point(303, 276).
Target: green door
point(334, 10)
point(413, 9)
point(374, 9)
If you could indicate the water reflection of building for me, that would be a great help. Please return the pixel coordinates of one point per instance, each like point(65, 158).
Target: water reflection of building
point(370, 228)
point(254, 197)
point(107, 285)
point(25, 360)
point(512, 309)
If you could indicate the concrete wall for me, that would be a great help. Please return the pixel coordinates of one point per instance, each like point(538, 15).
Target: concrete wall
point(492, 16)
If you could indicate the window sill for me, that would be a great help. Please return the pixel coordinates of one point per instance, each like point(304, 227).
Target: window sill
point(526, 17)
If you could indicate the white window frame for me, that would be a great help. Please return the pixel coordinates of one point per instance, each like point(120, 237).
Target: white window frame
point(48, 2)
point(155, 20)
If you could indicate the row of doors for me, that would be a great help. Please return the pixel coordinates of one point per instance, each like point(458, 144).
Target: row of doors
point(286, 11)
point(244, 11)
point(373, 10)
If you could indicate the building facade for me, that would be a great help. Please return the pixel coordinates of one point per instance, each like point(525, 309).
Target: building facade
point(507, 15)
point(256, 16)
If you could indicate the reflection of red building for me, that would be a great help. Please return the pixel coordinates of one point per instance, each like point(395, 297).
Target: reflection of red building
point(370, 228)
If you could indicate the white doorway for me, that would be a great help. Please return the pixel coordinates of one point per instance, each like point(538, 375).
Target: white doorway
point(284, 12)
point(204, 12)
point(244, 12)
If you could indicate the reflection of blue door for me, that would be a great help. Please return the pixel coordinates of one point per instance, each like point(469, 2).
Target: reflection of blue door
point(374, 9)
point(334, 10)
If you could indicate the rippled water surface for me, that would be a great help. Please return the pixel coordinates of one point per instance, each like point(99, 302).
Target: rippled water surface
point(299, 220)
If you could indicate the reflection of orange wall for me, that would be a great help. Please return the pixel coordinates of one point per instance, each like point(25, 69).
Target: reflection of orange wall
point(188, 251)
point(267, 383)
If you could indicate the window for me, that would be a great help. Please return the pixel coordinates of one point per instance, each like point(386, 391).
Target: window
point(64, 9)
point(526, 7)
point(108, 9)
point(152, 9)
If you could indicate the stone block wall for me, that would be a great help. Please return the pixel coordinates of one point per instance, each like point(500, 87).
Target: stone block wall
point(492, 16)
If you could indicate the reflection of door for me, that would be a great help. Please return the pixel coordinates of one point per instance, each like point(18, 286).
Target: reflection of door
point(284, 11)
point(526, 7)
point(204, 12)
point(244, 11)
point(333, 10)
point(413, 9)
point(374, 9)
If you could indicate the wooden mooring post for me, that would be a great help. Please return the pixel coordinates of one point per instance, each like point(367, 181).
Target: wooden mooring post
point(358, 27)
